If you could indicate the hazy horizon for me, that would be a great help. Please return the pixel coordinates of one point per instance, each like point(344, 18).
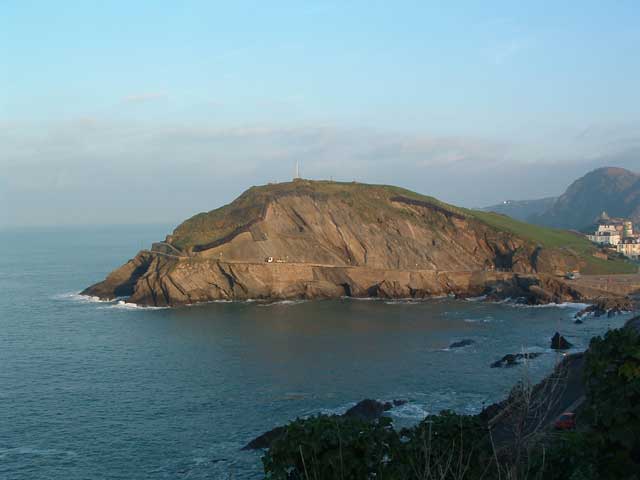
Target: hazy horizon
point(152, 112)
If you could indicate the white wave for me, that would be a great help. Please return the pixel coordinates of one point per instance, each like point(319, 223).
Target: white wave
point(476, 299)
point(361, 299)
point(78, 297)
point(486, 319)
point(571, 305)
point(396, 301)
point(403, 302)
point(121, 304)
point(413, 301)
point(409, 410)
point(201, 304)
point(282, 302)
point(337, 410)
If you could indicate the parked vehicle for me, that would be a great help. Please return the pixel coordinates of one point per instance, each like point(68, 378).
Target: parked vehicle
point(566, 421)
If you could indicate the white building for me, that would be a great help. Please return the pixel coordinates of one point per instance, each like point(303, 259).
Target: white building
point(605, 237)
point(629, 247)
point(607, 227)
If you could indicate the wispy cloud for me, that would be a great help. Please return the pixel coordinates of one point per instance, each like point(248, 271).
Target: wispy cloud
point(50, 171)
point(145, 97)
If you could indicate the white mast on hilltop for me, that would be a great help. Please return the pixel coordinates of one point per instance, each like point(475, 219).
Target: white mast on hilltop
point(297, 175)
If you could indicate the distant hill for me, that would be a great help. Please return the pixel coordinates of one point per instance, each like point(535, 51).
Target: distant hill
point(522, 210)
point(610, 189)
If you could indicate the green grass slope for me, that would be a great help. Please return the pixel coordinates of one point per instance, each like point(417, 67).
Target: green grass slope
point(368, 201)
point(556, 239)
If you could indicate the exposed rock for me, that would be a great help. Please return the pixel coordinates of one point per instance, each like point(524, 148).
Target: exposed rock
point(558, 342)
point(310, 240)
point(462, 343)
point(265, 440)
point(610, 306)
point(578, 322)
point(511, 359)
point(367, 410)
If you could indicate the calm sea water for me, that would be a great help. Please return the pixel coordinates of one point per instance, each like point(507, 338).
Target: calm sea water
point(101, 390)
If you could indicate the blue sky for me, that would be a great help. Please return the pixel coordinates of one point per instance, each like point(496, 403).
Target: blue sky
point(152, 111)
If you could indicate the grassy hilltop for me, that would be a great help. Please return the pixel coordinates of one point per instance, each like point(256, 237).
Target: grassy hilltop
point(370, 203)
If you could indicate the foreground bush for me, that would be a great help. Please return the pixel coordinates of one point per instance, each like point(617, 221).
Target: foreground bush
point(445, 446)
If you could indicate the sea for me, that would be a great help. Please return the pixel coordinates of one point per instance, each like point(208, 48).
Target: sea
point(110, 390)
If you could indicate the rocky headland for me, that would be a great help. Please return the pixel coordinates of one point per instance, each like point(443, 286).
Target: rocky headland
point(317, 239)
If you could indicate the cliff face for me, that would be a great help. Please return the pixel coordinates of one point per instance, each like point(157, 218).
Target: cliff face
point(327, 240)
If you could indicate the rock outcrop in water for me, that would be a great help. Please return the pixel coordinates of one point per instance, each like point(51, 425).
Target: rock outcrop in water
point(513, 359)
point(307, 239)
point(462, 343)
point(558, 342)
point(608, 306)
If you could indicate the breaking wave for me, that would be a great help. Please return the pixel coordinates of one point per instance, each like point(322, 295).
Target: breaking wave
point(122, 305)
point(78, 297)
point(281, 302)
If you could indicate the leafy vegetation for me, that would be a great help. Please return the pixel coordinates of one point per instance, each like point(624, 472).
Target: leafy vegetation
point(608, 444)
point(332, 447)
point(450, 446)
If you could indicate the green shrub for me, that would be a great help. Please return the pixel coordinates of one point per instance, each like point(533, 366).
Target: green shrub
point(332, 447)
point(445, 446)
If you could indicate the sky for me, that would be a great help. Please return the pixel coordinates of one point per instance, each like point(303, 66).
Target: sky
point(151, 111)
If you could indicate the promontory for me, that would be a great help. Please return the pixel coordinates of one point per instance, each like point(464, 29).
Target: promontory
point(321, 239)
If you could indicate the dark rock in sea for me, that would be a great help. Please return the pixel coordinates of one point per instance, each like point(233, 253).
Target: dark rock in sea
point(462, 343)
point(578, 322)
point(558, 342)
point(366, 410)
point(265, 440)
point(511, 359)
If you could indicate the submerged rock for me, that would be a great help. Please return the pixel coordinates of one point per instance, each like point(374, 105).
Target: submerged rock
point(462, 343)
point(511, 359)
point(558, 342)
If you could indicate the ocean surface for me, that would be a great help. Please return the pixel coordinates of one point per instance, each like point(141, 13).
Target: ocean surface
point(95, 390)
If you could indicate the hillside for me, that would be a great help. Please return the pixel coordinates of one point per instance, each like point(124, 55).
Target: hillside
point(610, 189)
point(614, 190)
point(328, 239)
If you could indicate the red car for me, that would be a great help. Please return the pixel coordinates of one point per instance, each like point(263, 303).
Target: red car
point(566, 421)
